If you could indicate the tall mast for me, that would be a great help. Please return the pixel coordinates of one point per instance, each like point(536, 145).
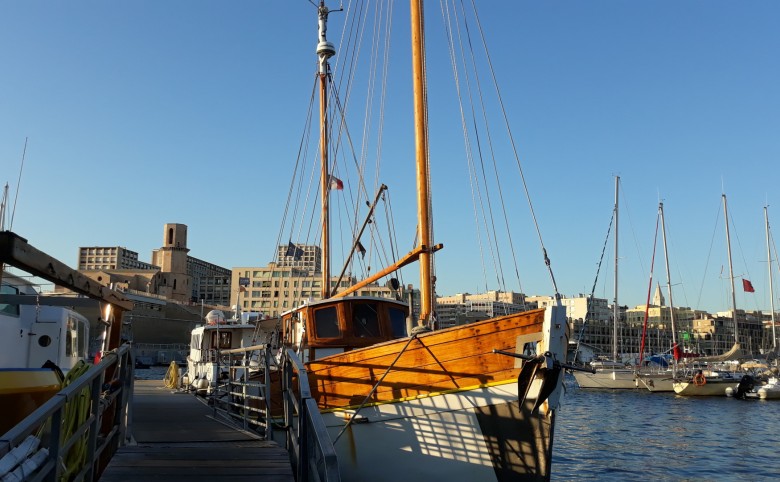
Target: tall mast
point(731, 271)
point(615, 308)
point(668, 277)
point(421, 149)
point(771, 288)
point(325, 50)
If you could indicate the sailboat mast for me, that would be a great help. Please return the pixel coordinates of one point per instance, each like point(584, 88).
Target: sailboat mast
point(325, 50)
point(771, 288)
point(615, 308)
point(421, 149)
point(668, 276)
point(731, 271)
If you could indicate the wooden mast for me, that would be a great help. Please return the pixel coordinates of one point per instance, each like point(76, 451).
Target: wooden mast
point(325, 50)
point(421, 149)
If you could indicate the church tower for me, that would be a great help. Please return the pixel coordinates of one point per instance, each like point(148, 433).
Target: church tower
point(658, 298)
point(174, 282)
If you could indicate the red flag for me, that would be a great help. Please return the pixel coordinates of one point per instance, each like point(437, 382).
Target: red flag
point(747, 286)
point(335, 183)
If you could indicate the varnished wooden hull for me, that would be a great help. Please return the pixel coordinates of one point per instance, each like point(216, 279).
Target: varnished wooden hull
point(448, 406)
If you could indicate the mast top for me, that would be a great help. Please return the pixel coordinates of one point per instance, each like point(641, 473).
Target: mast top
point(325, 49)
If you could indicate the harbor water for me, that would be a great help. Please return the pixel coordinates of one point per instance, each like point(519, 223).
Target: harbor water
point(638, 435)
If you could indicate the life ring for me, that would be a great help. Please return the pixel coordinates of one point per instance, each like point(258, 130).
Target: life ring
point(699, 379)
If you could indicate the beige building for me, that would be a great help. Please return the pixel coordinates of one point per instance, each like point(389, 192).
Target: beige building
point(172, 273)
point(466, 308)
point(110, 257)
point(274, 289)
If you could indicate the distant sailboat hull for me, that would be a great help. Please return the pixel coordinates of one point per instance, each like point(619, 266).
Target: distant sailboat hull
point(618, 378)
point(712, 388)
point(657, 382)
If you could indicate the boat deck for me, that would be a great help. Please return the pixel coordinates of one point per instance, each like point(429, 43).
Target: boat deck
point(176, 438)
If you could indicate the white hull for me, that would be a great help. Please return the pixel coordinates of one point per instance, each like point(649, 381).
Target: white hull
point(657, 382)
point(713, 388)
point(770, 391)
point(445, 437)
point(620, 378)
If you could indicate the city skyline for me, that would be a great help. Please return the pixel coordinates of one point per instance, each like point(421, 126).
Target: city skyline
point(196, 121)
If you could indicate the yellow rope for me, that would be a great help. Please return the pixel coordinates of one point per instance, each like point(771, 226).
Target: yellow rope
point(74, 414)
point(171, 379)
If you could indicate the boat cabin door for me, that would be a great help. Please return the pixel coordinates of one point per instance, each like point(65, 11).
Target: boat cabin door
point(45, 341)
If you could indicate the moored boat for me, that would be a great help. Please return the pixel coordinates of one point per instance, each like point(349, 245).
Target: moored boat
point(39, 344)
point(471, 402)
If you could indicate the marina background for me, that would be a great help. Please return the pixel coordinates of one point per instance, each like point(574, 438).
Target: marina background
point(192, 110)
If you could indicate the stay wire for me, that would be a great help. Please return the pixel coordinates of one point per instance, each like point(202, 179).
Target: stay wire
point(505, 116)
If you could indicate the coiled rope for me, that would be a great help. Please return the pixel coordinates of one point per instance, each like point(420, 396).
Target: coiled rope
point(74, 415)
point(171, 379)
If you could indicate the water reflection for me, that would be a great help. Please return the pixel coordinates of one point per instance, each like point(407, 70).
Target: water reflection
point(633, 434)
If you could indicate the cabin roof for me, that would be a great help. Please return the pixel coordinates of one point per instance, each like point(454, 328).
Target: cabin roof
point(348, 298)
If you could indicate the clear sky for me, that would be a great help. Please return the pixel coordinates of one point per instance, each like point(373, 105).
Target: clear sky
point(147, 112)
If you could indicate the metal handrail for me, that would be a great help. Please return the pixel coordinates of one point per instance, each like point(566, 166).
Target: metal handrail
point(311, 450)
point(104, 395)
point(235, 362)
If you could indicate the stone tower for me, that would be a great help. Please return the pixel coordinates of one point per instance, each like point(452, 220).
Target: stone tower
point(658, 298)
point(174, 282)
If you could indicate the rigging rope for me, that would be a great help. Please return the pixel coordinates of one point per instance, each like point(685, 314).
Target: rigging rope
point(649, 288)
point(547, 261)
point(593, 289)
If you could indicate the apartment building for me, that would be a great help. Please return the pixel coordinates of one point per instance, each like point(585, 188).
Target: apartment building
point(110, 257)
point(272, 290)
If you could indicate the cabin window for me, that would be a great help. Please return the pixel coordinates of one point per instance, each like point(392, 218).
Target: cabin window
point(397, 322)
point(5, 308)
point(82, 338)
point(365, 321)
point(221, 339)
point(326, 323)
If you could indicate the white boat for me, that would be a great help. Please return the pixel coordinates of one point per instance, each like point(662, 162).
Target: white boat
point(706, 383)
point(662, 379)
point(39, 343)
point(699, 383)
point(471, 402)
point(770, 391)
point(206, 364)
point(610, 373)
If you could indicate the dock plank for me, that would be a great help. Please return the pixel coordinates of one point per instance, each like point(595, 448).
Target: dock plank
point(177, 438)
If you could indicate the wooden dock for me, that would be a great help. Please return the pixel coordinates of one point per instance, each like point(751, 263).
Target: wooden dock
point(176, 438)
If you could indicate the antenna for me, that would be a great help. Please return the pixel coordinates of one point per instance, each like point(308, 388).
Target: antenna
point(18, 186)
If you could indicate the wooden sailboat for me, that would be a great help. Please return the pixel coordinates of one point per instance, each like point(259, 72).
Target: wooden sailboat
point(705, 382)
point(472, 402)
point(610, 373)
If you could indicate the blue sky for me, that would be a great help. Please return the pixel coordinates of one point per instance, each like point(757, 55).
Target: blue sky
point(143, 113)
